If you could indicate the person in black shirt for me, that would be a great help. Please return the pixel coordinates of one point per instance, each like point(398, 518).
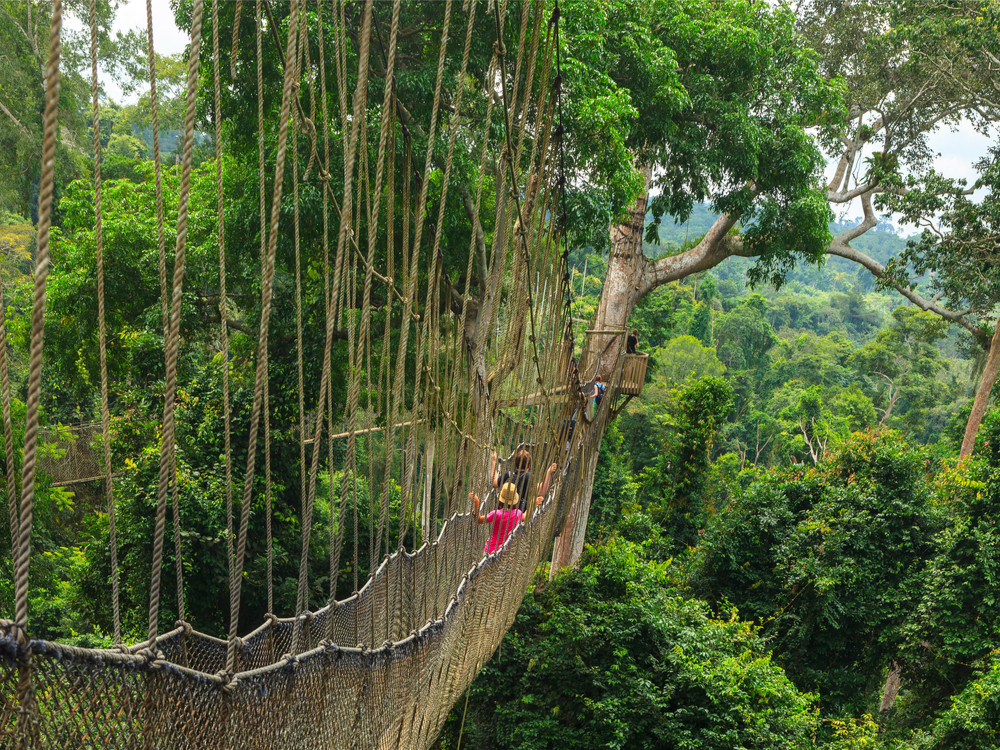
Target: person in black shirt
point(521, 476)
point(632, 341)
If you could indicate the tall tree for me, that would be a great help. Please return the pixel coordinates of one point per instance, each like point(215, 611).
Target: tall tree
point(741, 121)
point(24, 29)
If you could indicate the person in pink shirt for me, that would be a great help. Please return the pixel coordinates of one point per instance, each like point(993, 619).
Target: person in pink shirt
point(504, 519)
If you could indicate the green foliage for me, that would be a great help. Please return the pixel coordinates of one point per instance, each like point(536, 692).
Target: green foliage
point(614, 488)
point(953, 626)
point(971, 719)
point(701, 323)
point(610, 655)
point(685, 359)
point(673, 486)
point(743, 335)
point(828, 560)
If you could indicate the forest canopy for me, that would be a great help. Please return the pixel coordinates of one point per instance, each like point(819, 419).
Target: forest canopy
point(791, 538)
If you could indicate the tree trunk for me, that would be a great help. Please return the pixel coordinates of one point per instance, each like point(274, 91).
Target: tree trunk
point(982, 394)
point(568, 546)
point(621, 291)
point(630, 277)
point(891, 688)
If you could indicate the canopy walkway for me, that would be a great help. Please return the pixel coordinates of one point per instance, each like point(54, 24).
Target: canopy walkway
point(382, 667)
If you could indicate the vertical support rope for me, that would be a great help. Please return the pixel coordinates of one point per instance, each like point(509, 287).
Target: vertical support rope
point(263, 261)
point(173, 342)
point(237, 15)
point(223, 306)
point(164, 293)
point(360, 92)
point(109, 488)
point(50, 133)
point(267, 287)
point(157, 170)
point(302, 596)
point(327, 293)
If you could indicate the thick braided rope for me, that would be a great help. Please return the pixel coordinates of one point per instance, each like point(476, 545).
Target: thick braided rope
point(348, 480)
point(373, 222)
point(8, 432)
point(510, 153)
point(327, 292)
point(348, 483)
point(109, 488)
point(267, 285)
point(261, 197)
point(301, 601)
point(309, 123)
point(429, 342)
point(237, 15)
point(157, 170)
point(164, 295)
point(408, 494)
point(457, 486)
point(561, 224)
point(436, 259)
point(223, 306)
point(173, 341)
point(50, 133)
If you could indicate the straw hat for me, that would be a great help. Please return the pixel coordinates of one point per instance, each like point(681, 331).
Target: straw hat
point(508, 495)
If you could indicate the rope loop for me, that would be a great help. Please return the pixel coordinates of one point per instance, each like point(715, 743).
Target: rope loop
point(499, 49)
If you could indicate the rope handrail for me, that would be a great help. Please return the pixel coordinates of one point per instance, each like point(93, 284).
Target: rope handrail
point(386, 661)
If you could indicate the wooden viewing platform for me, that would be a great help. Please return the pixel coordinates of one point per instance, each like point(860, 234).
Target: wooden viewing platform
point(633, 374)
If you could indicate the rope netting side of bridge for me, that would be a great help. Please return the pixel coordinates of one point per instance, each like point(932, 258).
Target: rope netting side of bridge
point(444, 366)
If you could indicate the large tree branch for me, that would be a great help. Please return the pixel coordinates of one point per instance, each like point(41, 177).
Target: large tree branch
point(718, 244)
point(847, 196)
point(16, 121)
point(714, 248)
point(877, 270)
point(841, 247)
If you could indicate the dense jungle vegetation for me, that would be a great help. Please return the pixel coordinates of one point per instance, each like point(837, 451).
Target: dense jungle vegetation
point(784, 548)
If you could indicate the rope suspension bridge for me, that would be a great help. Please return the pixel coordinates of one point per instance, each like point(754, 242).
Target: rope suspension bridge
point(438, 371)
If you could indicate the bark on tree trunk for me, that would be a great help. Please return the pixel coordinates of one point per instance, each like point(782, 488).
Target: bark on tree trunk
point(568, 546)
point(982, 394)
point(620, 293)
point(622, 289)
point(630, 276)
point(891, 688)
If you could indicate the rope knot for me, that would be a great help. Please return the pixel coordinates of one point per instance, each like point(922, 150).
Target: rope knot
point(272, 619)
point(225, 677)
point(324, 175)
point(188, 629)
point(499, 49)
point(20, 631)
point(308, 125)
